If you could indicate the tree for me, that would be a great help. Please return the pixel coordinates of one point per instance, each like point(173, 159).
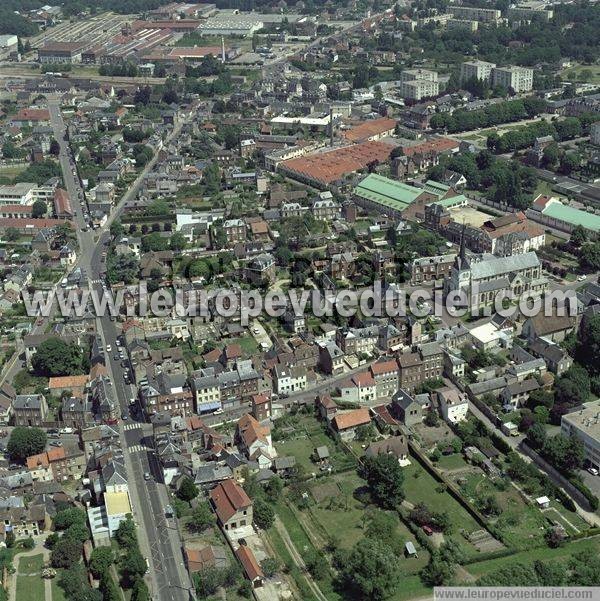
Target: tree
point(54, 148)
point(55, 357)
point(116, 229)
point(439, 571)
point(269, 567)
point(11, 234)
point(133, 565)
point(589, 255)
point(564, 452)
point(66, 553)
point(38, 209)
point(10, 539)
point(536, 436)
point(125, 533)
point(371, 570)
point(108, 587)
point(274, 487)
point(122, 268)
point(578, 235)
point(177, 241)
point(187, 490)
point(24, 442)
point(51, 540)
point(588, 343)
point(68, 517)
point(202, 517)
point(264, 516)
point(74, 582)
point(101, 560)
point(140, 591)
point(385, 479)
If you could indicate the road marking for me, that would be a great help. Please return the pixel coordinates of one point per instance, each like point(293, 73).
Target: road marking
point(137, 448)
point(132, 426)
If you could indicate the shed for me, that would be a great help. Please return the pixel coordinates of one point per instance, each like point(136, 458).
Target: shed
point(543, 502)
point(409, 549)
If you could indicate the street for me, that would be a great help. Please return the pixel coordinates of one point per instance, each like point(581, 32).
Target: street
point(159, 541)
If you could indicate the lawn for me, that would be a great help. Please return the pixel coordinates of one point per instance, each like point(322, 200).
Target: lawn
point(11, 171)
point(30, 588)
point(299, 435)
point(343, 518)
point(57, 592)
point(248, 344)
point(452, 462)
point(31, 565)
point(485, 567)
point(421, 487)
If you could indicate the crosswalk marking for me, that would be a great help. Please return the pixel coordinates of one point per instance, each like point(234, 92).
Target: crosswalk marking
point(137, 448)
point(132, 426)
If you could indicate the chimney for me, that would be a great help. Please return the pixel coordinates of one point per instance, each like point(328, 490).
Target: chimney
point(331, 126)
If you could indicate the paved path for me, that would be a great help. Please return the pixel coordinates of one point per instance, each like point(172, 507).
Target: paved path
point(297, 559)
point(12, 586)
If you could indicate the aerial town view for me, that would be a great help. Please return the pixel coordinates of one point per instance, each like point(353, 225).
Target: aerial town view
point(299, 300)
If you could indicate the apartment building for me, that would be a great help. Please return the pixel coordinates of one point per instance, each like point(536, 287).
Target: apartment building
point(476, 70)
point(418, 89)
point(518, 79)
point(474, 13)
point(585, 425)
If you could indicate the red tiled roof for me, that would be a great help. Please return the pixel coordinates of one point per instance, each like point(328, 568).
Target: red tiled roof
point(67, 381)
point(438, 145)
point(195, 52)
point(33, 115)
point(34, 224)
point(250, 430)
point(352, 419)
point(62, 202)
point(228, 498)
point(363, 379)
point(383, 367)
point(328, 167)
point(249, 563)
point(370, 128)
point(233, 351)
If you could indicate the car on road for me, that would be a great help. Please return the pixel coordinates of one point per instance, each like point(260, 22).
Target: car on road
point(116, 356)
point(593, 471)
point(581, 278)
point(108, 348)
point(124, 415)
point(147, 476)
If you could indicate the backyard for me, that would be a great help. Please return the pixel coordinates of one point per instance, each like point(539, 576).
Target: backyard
point(30, 585)
point(300, 434)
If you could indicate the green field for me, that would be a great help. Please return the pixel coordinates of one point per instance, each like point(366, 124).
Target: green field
point(11, 171)
point(544, 553)
point(302, 434)
point(31, 565)
point(421, 487)
point(57, 592)
point(30, 588)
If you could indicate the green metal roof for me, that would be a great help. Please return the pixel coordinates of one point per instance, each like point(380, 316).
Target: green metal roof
point(434, 187)
point(452, 202)
point(387, 192)
point(573, 216)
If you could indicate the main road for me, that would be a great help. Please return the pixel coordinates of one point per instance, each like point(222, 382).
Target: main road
point(159, 537)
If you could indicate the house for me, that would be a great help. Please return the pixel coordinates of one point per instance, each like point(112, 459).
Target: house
point(285, 466)
point(394, 445)
point(252, 569)
point(326, 406)
point(211, 556)
point(262, 407)
point(454, 404)
point(517, 393)
point(555, 357)
point(344, 425)
point(360, 388)
point(406, 408)
point(289, 379)
point(29, 410)
point(385, 374)
point(553, 328)
point(231, 504)
point(73, 384)
point(331, 358)
point(254, 440)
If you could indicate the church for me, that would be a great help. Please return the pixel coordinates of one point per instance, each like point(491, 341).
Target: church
point(482, 276)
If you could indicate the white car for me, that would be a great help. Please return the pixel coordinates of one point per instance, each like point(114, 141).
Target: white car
point(593, 471)
point(581, 278)
point(108, 348)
